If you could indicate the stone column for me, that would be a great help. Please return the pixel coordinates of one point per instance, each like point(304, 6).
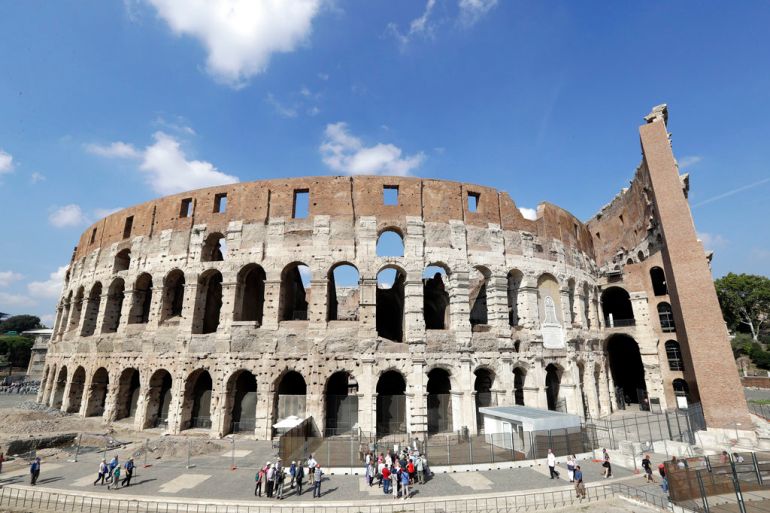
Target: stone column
point(87, 393)
point(580, 304)
point(316, 314)
point(566, 312)
point(140, 417)
point(367, 396)
point(177, 402)
point(187, 320)
point(414, 323)
point(367, 310)
point(497, 303)
point(65, 400)
point(590, 390)
point(504, 382)
point(272, 301)
point(125, 310)
point(459, 307)
point(529, 314)
point(103, 301)
point(417, 407)
point(263, 429)
point(110, 402)
point(467, 397)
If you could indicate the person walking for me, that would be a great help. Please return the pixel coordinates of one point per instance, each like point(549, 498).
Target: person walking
point(115, 483)
point(300, 477)
point(571, 462)
point(114, 462)
point(380, 468)
point(259, 477)
point(311, 464)
point(269, 480)
point(370, 471)
point(2, 459)
point(129, 466)
point(647, 466)
point(580, 487)
point(385, 480)
point(34, 471)
point(317, 476)
point(552, 464)
point(607, 465)
point(411, 471)
point(292, 473)
point(405, 484)
point(103, 470)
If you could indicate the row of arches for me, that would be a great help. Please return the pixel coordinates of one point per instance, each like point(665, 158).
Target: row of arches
point(618, 311)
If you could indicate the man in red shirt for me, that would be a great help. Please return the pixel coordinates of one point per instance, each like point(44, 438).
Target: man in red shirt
point(386, 480)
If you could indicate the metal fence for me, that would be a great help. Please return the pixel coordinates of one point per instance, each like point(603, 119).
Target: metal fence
point(675, 425)
point(762, 410)
point(62, 502)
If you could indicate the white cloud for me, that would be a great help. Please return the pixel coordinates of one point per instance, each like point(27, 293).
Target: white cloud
point(712, 241)
point(15, 300)
point(165, 165)
point(8, 277)
point(117, 150)
point(472, 11)
point(68, 215)
point(345, 153)
point(36, 177)
point(50, 288)
point(528, 213)
point(285, 111)
point(418, 26)
point(689, 160)
point(6, 162)
point(240, 35)
point(179, 125)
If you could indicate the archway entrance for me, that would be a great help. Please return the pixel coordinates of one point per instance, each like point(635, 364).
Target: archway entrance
point(197, 400)
point(341, 404)
point(627, 369)
point(159, 399)
point(61, 383)
point(76, 390)
point(290, 396)
point(128, 394)
point(519, 377)
point(552, 386)
point(391, 404)
point(98, 398)
point(241, 407)
point(483, 388)
point(439, 402)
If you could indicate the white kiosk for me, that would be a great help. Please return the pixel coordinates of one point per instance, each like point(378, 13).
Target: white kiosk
point(528, 430)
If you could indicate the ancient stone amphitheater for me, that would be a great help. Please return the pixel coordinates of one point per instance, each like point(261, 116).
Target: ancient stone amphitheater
point(377, 304)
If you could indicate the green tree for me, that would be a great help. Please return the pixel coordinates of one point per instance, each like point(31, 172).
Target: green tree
point(17, 350)
point(745, 301)
point(19, 323)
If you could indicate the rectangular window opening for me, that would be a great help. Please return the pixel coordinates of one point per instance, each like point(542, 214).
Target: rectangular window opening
point(220, 203)
point(128, 227)
point(473, 201)
point(186, 210)
point(390, 195)
point(93, 236)
point(301, 206)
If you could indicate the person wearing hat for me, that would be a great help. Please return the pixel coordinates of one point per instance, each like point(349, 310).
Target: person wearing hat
point(129, 466)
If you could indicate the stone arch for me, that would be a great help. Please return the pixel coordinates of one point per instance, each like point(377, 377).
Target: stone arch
point(77, 387)
point(214, 248)
point(209, 302)
point(674, 355)
point(549, 300)
point(141, 301)
point(122, 261)
point(97, 399)
point(159, 394)
point(658, 280)
point(114, 308)
point(482, 386)
point(173, 295)
point(666, 318)
point(514, 281)
point(43, 385)
point(76, 308)
point(250, 294)
point(626, 367)
point(390, 303)
point(342, 292)
point(196, 406)
point(241, 402)
point(681, 388)
point(439, 401)
point(553, 377)
point(477, 294)
point(616, 304)
point(340, 403)
point(292, 303)
point(290, 396)
point(390, 242)
point(92, 310)
point(519, 381)
point(391, 403)
point(435, 279)
point(59, 386)
point(129, 389)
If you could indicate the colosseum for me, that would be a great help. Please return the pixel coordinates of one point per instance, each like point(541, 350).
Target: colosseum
point(390, 305)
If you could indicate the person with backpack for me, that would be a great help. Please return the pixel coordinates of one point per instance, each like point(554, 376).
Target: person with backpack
point(580, 487)
point(129, 466)
point(114, 462)
point(115, 483)
point(103, 470)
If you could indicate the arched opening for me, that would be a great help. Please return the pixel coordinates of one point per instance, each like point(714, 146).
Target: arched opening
point(681, 389)
point(92, 310)
point(241, 406)
point(549, 301)
point(158, 399)
point(173, 295)
point(552, 388)
point(209, 302)
point(616, 304)
point(142, 300)
point(341, 401)
point(666, 316)
point(391, 404)
point(514, 280)
point(439, 401)
point(390, 304)
point(61, 384)
point(128, 394)
point(76, 390)
point(76, 309)
point(295, 279)
point(196, 410)
point(214, 248)
point(626, 368)
point(342, 293)
point(571, 287)
point(250, 294)
point(122, 261)
point(674, 356)
point(290, 397)
point(482, 385)
point(114, 307)
point(658, 279)
point(478, 280)
point(519, 378)
point(435, 298)
point(98, 398)
point(390, 243)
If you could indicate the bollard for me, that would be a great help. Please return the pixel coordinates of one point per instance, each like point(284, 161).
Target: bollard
point(232, 464)
point(189, 450)
point(146, 450)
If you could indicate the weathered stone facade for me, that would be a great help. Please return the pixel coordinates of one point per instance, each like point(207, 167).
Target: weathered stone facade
point(197, 309)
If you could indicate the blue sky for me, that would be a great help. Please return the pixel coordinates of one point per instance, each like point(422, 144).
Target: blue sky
point(104, 104)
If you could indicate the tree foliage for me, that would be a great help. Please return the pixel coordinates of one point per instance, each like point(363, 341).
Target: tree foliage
point(17, 350)
point(745, 301)
point(19, 323)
